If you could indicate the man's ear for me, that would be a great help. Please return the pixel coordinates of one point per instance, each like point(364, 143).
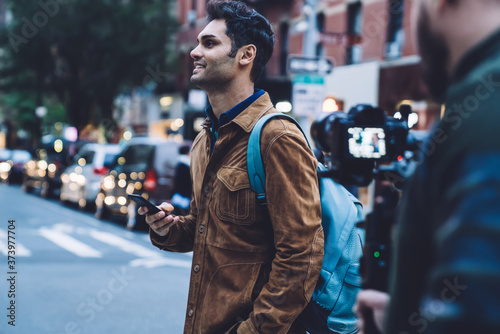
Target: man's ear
point(247, 55)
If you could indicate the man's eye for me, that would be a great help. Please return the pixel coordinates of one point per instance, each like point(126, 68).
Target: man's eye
point(209, 43)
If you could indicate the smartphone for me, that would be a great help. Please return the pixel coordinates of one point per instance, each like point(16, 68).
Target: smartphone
point(141, 201)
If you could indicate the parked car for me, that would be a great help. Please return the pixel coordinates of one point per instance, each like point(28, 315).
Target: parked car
point(5, 164)
point(81, 182)
point(145, 167)
point(17, 160)
point(43, 173)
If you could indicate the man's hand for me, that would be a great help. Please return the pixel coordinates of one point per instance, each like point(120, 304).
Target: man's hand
point(160, 222)
point(375, 300)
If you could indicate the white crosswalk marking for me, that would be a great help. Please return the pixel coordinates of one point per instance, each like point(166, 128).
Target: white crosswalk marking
point(20, 250)
point(124, 244)
point(69, 243)
point(64, 235)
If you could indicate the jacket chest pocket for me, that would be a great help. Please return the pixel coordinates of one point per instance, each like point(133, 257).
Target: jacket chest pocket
point(235, 199)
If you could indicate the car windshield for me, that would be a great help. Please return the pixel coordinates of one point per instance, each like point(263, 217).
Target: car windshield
point(85, 158)
point(109, 158)
point(135, 158)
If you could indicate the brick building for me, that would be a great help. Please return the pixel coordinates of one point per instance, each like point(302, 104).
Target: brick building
point(368, 41)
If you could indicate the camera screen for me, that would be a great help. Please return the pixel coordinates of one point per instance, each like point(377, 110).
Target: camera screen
point(368, 143)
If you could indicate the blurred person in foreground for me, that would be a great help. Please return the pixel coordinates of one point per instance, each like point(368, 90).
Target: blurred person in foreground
point(254, 267)
point(446, 264)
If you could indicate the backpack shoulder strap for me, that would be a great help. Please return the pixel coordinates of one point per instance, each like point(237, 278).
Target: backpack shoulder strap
point(254, 158)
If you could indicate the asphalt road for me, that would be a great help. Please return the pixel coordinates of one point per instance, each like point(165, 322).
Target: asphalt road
point(71, 273)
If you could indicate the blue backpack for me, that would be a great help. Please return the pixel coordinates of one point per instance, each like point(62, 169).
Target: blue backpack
point(330, 308)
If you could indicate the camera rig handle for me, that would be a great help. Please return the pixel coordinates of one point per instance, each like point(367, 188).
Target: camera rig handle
point(378, 225)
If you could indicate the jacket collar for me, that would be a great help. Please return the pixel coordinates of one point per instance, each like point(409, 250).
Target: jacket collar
point(247, 119)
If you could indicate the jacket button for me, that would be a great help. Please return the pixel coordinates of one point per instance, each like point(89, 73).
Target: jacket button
point(201, 228)
point(196, 268)
point(191, 312)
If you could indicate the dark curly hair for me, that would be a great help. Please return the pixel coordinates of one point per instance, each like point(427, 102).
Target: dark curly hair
point(244, 26)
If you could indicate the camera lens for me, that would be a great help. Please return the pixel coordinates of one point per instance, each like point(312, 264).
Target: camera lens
point(321, 130)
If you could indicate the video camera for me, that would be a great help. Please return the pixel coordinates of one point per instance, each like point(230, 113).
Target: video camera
point(360, 146)
point(357, 141)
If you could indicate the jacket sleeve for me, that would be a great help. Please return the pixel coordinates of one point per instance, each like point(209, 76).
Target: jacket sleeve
point(294, 208)
point(180, 236)
point(464, 291)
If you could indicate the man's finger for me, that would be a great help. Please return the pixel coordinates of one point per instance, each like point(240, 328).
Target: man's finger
point(142, 210)
point(166, 206)
point(372, 299)
point(162, 226)
point(360, 324)
point(155, 217)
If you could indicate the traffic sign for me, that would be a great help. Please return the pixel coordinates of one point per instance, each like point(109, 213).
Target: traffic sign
point(309, 65)
point(308, 94)
point(339, 38)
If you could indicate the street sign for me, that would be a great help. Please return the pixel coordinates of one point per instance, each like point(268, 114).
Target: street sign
point(308, 94)
point(312, 65)
point(339, 38)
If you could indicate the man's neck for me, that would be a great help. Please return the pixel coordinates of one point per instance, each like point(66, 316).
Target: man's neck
point(461, 38)
point(464, 45)
point(222, 101)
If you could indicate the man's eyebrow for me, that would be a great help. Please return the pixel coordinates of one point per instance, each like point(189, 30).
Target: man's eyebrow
point(205, 37)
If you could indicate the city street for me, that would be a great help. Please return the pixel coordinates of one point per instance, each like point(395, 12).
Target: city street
point(72, 273)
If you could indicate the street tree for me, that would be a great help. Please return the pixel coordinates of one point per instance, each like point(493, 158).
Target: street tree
point(85, 52)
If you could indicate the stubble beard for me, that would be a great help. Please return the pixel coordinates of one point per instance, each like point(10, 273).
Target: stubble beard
point(435, 56)
point(214, 78)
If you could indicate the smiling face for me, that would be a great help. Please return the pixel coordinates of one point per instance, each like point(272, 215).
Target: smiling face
point(214, 68)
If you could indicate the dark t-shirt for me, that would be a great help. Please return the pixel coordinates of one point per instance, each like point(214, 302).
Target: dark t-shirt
point(182, 181)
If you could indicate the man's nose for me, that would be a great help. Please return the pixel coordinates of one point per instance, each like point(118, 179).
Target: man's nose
point(195, 53)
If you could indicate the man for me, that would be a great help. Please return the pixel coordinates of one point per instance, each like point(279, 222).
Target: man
point(254, 267)
point(446, 268)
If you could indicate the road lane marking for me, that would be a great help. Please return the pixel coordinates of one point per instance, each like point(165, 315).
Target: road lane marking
point(124, 245)
point(158, 262)
point(4, 248)
point(59, 210)
point(69, 243)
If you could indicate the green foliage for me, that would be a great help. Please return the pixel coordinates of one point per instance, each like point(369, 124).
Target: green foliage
point(24, 117)
point(84, 52)
point(24, 103)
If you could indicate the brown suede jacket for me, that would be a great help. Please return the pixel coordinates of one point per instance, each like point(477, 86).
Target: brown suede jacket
point(253, 268)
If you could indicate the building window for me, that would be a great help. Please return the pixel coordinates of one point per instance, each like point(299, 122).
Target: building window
point(192, 14)
point(354, 27)
point(320, 26)
point(395, 35)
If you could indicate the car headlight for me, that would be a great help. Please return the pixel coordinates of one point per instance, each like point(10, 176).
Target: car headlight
point(4, 167)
